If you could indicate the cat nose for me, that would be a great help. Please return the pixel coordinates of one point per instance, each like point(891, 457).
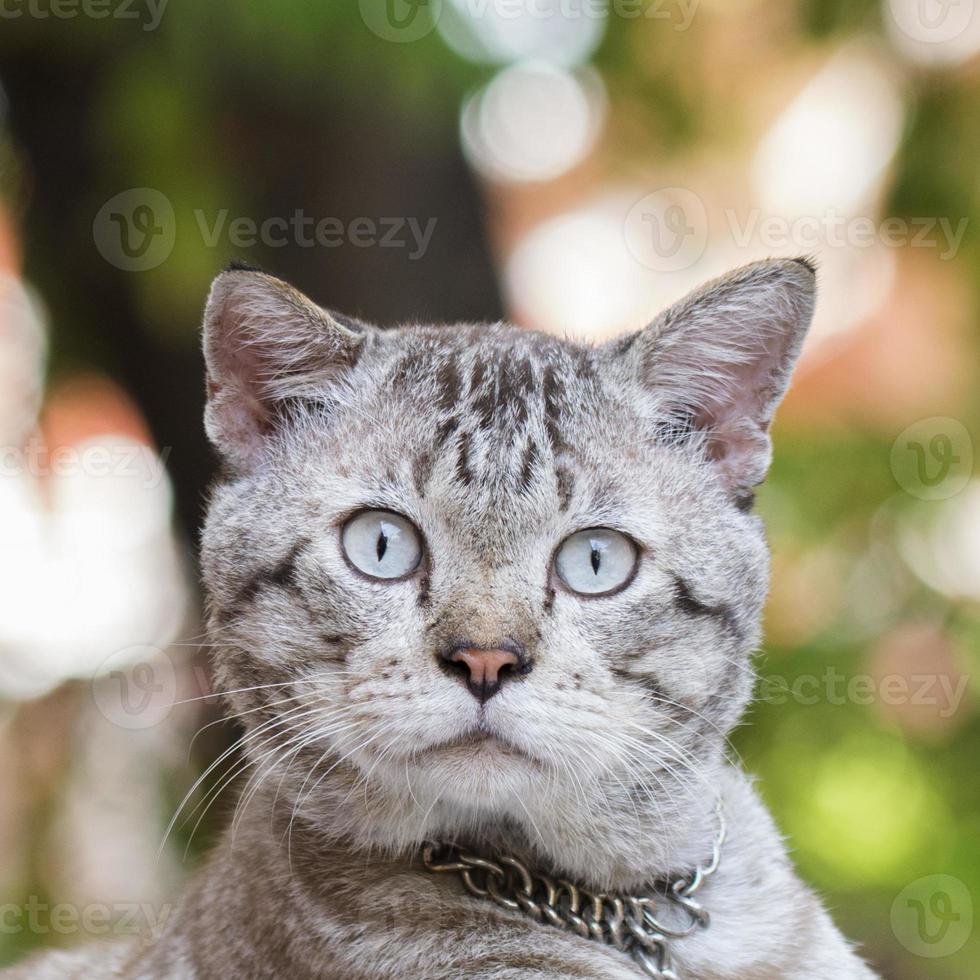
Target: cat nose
point(485, 669)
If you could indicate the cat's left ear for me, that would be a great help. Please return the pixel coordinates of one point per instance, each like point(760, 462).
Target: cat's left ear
point(265, 344)
point(719, 362)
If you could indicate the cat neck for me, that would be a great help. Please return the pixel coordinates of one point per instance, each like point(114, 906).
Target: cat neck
point(615, 848)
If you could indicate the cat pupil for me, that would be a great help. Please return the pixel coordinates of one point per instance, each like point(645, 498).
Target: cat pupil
point(596, 560)
point(382, 544)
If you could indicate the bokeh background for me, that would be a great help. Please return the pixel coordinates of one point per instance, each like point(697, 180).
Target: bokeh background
point(574, 166)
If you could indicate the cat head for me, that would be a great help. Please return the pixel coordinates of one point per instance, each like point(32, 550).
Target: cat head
point(476, 582)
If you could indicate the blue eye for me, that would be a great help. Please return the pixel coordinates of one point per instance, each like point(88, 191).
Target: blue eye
point(596, 561)
point(382, 544)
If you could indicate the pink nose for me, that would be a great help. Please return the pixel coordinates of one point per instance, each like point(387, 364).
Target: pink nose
point(487, 669)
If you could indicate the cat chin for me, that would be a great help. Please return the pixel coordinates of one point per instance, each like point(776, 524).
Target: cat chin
point(477, 778)
point(483, 770)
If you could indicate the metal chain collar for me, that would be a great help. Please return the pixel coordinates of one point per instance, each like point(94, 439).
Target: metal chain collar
point(631, 923)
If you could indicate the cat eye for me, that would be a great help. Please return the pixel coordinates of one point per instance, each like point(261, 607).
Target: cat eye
point(596, 561)
point(382, 544)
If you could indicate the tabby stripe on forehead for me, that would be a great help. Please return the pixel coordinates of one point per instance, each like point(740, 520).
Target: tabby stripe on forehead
point(463, 470)
point(516, 388)
point(448, 385)
point(477, 375)
point(422, 466)
point(552, 392)
point(446, 428)
point(486, 404)
point(528, 466)
point(565, 484)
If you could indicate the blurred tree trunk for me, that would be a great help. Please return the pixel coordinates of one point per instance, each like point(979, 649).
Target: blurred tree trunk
point(338, 160)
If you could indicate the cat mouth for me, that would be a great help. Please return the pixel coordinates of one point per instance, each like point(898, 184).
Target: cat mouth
point(482, 742)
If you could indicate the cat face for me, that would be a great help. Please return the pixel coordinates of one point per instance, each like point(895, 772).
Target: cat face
point(472, 577)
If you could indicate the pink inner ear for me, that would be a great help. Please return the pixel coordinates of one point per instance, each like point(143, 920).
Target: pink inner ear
point(237, 417)
point(239, 370)
point(236, 420)
point(264, 344)
point(736, 419)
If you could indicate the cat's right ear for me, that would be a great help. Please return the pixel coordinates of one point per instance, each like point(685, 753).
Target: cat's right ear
point(266, 344)
point(718, 362)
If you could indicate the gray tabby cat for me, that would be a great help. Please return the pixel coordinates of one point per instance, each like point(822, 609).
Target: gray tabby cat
point(478, 585)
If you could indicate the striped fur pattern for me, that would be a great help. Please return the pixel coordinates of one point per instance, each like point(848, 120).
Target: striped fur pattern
point(610, 750)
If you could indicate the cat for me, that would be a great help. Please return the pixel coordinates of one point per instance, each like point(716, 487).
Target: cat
point(497, 590)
